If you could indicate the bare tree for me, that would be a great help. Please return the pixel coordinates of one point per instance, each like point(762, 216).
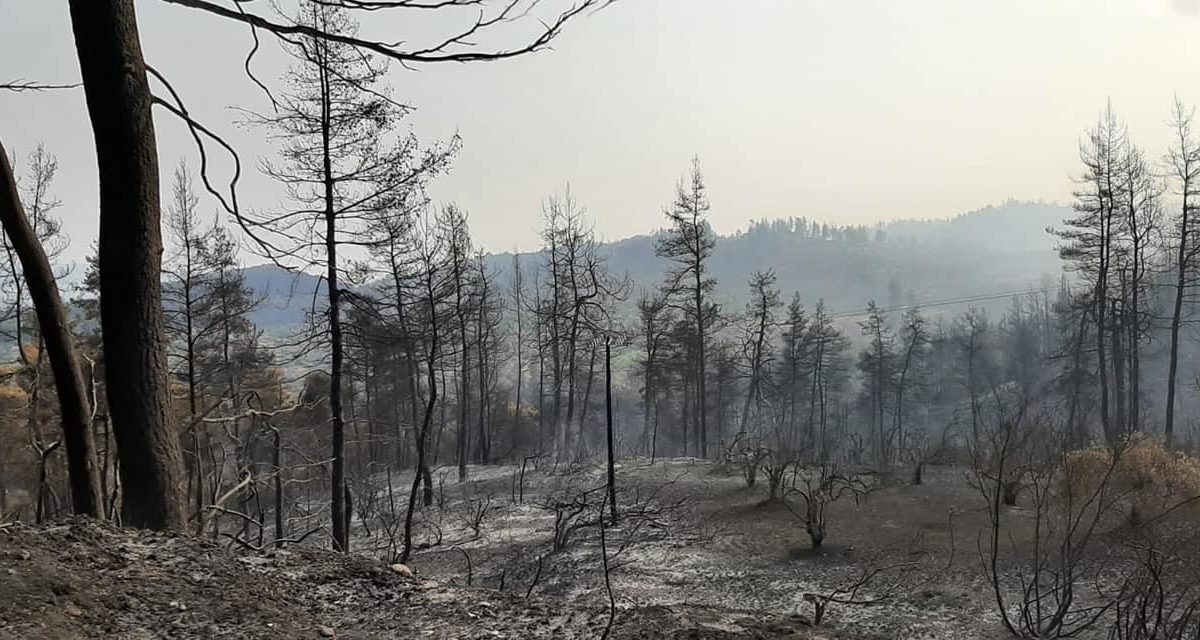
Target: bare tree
point(185, 304)
point(820, 487)
point(54, 327)
point(688, 244)
point(435, 290)
point(518, 302)
point(1141, 215)
point(1183, 162)
point(394, 247)
point(760, 315)
point(342, 166)
point(795, 371)
point(1089, 241)
point(914, 337)
point(458, 239)
point(828, 348)
point(654, 321)
point(574, 311)
point(877, 365)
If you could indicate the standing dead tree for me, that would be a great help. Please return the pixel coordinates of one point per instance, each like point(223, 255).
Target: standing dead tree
point(1090, 245)
point(877, 365)
point(458, 246)
point(760, 316)
point(343, 164)
point(654, 320)
point(185, 306)
point(54, 327)
point(574, 313)
point(393, 247)
point(430, 251)
point(1183, 162)
point(688, 244)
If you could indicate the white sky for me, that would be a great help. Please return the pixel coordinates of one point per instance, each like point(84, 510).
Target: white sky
point(843, 110)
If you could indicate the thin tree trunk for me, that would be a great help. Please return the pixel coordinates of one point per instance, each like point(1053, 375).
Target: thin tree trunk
point(1176, 321)
point(430, 404)
point(818, 360)
point(337, 490)
point(612, 475)
point(520, 364)
point(701, 363)
point(60, 347)
point(1119, 390)
point(276, 450)
point(587, 398)
point(481, 378)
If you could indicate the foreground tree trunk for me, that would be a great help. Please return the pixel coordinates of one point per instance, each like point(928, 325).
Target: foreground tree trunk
point(130, 256)
point(60, 347)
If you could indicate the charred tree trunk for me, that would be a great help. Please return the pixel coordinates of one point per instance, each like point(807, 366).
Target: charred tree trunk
point(612, 475)
point(339, 513)
point(430, 405)
point(1118, 358)
point(60, 347)
point(701, 362)
point(276, 463)
point(130, 257)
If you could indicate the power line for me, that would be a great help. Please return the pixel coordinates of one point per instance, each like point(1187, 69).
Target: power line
point(951, 301)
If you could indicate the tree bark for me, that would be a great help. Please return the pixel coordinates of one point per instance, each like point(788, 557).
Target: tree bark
point(130, 257)
point(60, 347)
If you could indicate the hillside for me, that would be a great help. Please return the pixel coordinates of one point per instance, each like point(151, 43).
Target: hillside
point(993, 250)
point(82, 580)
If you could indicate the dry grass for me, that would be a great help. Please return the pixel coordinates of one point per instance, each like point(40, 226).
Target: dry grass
point(1149, 479)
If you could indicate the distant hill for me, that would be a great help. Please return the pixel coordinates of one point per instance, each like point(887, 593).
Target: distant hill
point(989, 251)
point(1013, 226)
point(994, 250)
point(286, 297)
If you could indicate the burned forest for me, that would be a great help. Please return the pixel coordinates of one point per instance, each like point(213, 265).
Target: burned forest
point(599, 319)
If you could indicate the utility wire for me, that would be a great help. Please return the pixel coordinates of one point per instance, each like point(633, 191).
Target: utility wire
point(948, 302)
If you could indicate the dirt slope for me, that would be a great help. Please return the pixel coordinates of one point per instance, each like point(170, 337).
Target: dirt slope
point(84, 580)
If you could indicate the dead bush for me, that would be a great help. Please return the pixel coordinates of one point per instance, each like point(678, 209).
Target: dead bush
point(1159, 599)
point(776, 468)
point(476, 508)
point(645, 515)
point(750, 460)
point(573, 511)
point(819, 487)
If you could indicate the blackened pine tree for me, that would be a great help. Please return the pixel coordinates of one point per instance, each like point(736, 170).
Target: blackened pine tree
point(876, 363)
point(342, 165)
point(688, 244)
point(1182, 239)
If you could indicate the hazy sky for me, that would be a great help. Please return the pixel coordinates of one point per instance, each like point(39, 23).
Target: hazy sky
point(843, 110)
